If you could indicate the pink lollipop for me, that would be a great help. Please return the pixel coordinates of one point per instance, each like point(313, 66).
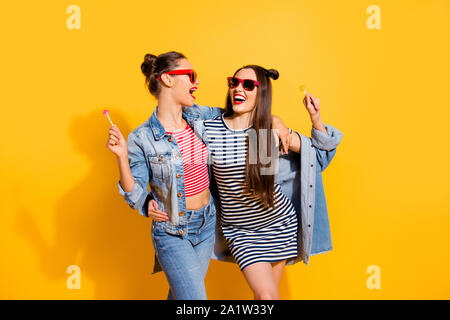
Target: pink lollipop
point(106, 113)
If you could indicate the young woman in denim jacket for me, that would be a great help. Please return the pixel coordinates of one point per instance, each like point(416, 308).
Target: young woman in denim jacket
point(259, 222)
point(183, 227)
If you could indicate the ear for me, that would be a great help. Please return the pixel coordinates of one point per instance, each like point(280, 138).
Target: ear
point(167, 80)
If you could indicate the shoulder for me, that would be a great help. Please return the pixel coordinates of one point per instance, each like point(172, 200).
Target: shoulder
point(195, 109)
point(216, 119)
point(204, 112)
point(214, 123)
point(138, 132)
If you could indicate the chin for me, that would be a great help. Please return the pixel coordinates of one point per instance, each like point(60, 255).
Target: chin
point(241, 108)
point(188, 103)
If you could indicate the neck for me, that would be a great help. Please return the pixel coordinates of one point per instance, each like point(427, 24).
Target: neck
point(170, 114)
point(240, 121)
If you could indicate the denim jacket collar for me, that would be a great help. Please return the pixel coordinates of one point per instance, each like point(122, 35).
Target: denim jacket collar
point(158, 129)
point(156, 126)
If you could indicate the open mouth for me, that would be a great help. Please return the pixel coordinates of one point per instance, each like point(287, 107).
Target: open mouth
point(191, 91)
point(239, 98)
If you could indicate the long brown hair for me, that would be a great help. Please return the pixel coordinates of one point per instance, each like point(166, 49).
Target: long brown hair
point(262, 185)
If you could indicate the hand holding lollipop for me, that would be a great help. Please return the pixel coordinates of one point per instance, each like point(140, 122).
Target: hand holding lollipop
point(312, 104)
point(116, 142)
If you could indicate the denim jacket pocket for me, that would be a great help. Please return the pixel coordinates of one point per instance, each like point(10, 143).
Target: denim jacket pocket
point(160, 165)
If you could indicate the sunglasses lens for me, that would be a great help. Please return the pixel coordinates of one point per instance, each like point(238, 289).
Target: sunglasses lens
point(249, 85)
point(193, 76)
point(233, 82)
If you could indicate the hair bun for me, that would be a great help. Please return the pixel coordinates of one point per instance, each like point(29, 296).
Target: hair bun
point(273, 74)
point(148, 65)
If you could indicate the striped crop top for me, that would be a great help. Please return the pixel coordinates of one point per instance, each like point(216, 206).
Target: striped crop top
point(194, 154)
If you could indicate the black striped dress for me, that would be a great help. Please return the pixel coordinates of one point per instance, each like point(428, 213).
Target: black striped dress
point(254, 233)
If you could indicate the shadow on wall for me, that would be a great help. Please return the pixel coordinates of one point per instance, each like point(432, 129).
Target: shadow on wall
point(95, 229)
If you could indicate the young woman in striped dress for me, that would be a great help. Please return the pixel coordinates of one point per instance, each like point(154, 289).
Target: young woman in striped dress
point(258, 221)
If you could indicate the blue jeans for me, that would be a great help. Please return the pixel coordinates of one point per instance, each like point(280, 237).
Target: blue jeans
point(185, 257)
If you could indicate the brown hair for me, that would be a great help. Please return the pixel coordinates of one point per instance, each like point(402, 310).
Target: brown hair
point(153, 66)
point(257, 183)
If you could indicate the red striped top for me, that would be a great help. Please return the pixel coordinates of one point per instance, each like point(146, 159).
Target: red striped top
point(194, 154)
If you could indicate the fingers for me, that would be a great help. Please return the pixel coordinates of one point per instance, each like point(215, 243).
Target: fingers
point(284, 138)
point(113, 140)
point(311, 103)
point(276, 137)
point(115, 136)
point(152, 204)
point(114, 128)
point(285, 145)
point(307, 101)
point(309, 98)
point(112, 134)
point(156, 214)
point(115, 132)
point(315, 102)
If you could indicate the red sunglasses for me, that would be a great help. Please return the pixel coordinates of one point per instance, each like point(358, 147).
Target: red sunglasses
point(190, 72)
point(247, 84)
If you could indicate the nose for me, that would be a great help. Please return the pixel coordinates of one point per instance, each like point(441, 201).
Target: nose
point(197, 82)
point(240, 85)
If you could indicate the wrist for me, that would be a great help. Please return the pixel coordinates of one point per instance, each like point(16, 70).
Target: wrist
point(316, 119)
point(122, 158)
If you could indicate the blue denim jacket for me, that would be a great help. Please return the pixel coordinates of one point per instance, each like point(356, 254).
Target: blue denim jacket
point(300, 177)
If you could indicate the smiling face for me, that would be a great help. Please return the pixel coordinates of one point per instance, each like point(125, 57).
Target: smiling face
point(244, 101)
point(182, 88)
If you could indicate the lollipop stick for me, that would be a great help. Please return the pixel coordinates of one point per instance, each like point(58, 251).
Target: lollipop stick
point(110, 120)
point(106, 113)
point(303, 88)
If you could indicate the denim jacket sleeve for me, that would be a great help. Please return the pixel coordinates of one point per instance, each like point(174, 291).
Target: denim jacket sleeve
point(210, 112)
point(325, 144)
point(326, 141)
point(138, 197)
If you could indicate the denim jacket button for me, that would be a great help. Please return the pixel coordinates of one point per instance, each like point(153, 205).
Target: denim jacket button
point(170, 139)
point(181, 213)
point(178, 175)
point(179, 194)
point(180, 231)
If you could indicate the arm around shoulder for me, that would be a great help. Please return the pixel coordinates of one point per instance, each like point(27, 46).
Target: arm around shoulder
point(210, 112)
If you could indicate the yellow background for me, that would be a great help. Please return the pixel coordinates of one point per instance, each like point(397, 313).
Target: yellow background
point(387, 90)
